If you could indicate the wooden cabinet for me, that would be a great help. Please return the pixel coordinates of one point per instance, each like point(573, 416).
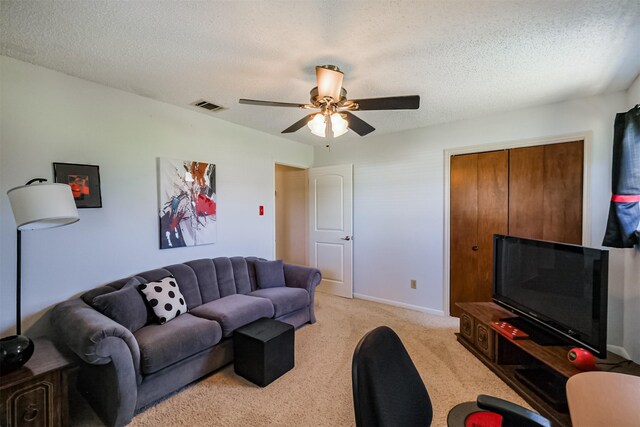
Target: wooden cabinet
point(36, 394)
point(505, 356)
point(532, 192)
point(467, 328)
point(485, 339)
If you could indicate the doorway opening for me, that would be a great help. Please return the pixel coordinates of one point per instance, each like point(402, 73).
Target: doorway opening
point(291, 216)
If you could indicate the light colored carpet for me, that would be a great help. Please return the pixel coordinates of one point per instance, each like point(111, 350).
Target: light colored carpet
point(317, 392)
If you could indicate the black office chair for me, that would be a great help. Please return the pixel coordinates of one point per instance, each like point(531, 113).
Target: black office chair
point(388, 390)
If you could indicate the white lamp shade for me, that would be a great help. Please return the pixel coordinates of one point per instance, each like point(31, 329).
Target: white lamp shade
point(39, 206)
point(329, 82)
point(339, 125)
point(317, 125)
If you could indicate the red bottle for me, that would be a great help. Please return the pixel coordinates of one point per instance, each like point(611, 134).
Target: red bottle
point(582, 359)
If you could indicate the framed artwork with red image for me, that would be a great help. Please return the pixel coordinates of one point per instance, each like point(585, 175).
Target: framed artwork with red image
point(84, 181)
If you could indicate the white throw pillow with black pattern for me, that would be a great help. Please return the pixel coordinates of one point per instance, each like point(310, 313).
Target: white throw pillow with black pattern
point(165, 298)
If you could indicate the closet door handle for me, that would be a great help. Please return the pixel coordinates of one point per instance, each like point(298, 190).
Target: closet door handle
point(474, 248)
point(346, 238)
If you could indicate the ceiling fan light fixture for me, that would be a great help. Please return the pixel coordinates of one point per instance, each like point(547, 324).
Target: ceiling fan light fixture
point(339, 125)
point(336, 117)
point(317, 125)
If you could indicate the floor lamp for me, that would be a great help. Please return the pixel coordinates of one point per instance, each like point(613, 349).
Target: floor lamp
point(35, 207)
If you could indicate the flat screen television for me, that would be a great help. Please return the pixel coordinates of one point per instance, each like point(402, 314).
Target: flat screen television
point(558, 289)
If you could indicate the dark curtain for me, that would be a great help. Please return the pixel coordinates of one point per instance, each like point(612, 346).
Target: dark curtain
point(624, 211)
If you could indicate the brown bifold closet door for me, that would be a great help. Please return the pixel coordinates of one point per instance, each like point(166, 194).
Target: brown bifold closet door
point(533, 192)
point(478, 209)
point(545, 192)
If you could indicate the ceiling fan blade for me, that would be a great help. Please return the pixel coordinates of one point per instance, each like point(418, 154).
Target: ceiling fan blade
point(329, 78)
point(411, 102)
point(299, 124)
point(358, 125)
point(272, 103)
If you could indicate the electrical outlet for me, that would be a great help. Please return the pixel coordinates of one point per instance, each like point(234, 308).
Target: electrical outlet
point(413, 283)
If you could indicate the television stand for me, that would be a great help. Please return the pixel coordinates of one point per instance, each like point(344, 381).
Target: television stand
point(508, 359)
point(537, 334)
point(546, 383)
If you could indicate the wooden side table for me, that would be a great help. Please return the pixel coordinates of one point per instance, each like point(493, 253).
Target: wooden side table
point(37, 393)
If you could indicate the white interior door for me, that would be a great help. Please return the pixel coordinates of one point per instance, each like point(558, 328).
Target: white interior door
point(330, 227)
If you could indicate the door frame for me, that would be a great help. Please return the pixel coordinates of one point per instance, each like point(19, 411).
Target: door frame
point(586, 136)
point(274, 213)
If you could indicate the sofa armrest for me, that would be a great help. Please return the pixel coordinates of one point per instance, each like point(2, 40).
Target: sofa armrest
point(307, 278)
point(112, 374)
point(90, 334)
point(298, 276)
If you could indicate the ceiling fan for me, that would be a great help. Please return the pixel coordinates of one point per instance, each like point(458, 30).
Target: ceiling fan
point(335, 116)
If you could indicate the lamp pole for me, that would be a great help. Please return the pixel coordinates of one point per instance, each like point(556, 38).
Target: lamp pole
point(18, 281)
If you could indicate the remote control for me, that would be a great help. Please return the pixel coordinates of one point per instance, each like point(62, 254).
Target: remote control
point(509, 330)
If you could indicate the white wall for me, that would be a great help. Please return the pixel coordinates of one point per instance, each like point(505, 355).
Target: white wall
point(49, 117)
point(399, 184)
point(632, 272)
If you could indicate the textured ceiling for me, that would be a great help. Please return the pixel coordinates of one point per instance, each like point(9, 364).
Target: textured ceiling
point(465, 58)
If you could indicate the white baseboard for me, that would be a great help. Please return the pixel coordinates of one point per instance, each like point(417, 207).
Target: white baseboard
point(620, 351)
point(399, 304)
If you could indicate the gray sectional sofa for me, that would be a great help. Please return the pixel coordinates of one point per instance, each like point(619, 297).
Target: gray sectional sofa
point(126, 366)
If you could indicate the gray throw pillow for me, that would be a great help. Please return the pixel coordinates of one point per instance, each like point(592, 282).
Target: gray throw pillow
point(270, 274)
point(125, 306)
point(165, 298)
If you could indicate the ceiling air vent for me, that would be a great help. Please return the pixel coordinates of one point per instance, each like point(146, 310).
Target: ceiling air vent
point(206, 105)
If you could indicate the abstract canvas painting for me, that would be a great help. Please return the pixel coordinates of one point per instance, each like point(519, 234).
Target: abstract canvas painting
point(188, 203)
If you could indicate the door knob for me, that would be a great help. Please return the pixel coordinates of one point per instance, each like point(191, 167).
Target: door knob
point(346, 238)
point(474, 248)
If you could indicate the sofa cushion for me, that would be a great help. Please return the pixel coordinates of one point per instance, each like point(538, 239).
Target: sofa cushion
point(205, 271)
point(165, 298)
point(224, 273)
point(251, 267)
point(270, 274)
point(163, 345)
point(234, 311)
point(125, 306)
point(284, 300)
point(241, 275)
point(188, 282)
point(88, 296)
